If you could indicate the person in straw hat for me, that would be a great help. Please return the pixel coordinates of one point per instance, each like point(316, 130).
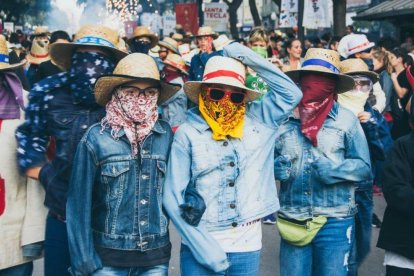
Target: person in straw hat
point(38, 53)
point(219, 181)
point(167, 46)
point(320, 155)
point(62, 107)
point(379, 140)
point(174, 110)
point(204, 38)
point(142, 40)
point(22, 215)
point(127, 151)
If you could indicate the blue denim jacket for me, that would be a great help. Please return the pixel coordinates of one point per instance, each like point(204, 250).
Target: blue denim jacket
point(54, 116)
point(235, 176)
point(114, 199)
point(321, 180)
point(198, 62)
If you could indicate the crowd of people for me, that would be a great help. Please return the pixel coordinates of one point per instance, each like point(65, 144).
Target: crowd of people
point(108, 139)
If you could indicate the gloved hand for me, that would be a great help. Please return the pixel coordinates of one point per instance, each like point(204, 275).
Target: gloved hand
point(194, 206)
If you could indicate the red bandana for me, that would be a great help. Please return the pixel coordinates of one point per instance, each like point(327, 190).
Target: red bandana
point(318, 99)
point(410, 77)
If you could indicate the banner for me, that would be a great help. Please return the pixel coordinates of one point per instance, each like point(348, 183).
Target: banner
point(216, 16)
point(288, 14)
point(152, 21)
point(129, 28)
point(9, 26)
point(187, 16)
point(316, 14)
point(168, 23)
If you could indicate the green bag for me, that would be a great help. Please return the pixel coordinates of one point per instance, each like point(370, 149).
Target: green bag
point(299, 232)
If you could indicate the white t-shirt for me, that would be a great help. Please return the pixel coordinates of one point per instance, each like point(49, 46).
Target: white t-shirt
point(396, 260)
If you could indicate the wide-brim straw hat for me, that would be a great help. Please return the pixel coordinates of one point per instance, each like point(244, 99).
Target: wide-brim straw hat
point(143, 31)
point(4, 57)
point(356, 66)
point(206, 31)
point(88, 35)
point(357, 43)
point(170, 44)
point(38, 54)
point(134, 67)
point(177, 62)
point(221, 41)
point(324, 62)
point(177, 37)
point(221, 70)
point(40, 31)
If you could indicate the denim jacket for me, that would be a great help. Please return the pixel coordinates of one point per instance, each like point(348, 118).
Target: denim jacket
point(234, 176)
point(321, 180)
point(114, 199)
point(54, 116)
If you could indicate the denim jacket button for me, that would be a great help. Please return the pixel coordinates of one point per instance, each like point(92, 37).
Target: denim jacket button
point(142, 222)
point(232, 205)
point(232, 164)
point(234, 224)
point(84, 126)
point(225, 143)
point(231, 184)
point(144, 152)
point(143, 201)
point(145, 176)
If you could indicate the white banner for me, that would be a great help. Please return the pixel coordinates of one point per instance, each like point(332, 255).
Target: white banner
point(9, 26)
point(316, 14)
point(168, 22)
point(152, 21)
point(287, 18)
point(216, 16)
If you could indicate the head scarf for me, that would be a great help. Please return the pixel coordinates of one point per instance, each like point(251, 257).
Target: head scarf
point(356, 99)
point(133, 113)
point(11, 96)
point(224, 117)
point(140, 46)
point(318, 99)
point(262, 51)
point(86, 67)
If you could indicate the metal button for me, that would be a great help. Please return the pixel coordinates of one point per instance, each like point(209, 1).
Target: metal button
point(144, 152)
point(232, 205)
point(145, 176)
point(142, 222)
point(231, 184)
point(234, 224)
point(84, 126)
point(232, 164)
point(143, 201)
point(225, 143)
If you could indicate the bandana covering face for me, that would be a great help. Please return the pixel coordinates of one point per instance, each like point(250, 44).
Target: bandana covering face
point(11, 96)
point(318, 99)
point(224, 117)
point(140, 46)
point(355, 99)
point(262, 51)
point(85, 69)
point(132, 112)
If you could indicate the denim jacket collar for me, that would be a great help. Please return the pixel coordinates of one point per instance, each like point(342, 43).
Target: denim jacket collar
point(333, 113)
point(157, 128)
point(197, 121)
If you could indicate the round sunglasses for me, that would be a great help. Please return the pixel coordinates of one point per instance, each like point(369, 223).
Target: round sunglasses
point(216, 94)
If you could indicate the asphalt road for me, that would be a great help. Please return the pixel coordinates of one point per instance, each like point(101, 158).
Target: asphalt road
point(269, 265)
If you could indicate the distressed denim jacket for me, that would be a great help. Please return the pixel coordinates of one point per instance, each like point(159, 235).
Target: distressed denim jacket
point(235, 176)
point(321, 180)
point(114, 199)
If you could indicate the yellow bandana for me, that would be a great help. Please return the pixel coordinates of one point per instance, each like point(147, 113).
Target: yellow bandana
point(224, 117)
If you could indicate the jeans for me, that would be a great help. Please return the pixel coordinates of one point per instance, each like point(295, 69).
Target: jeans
point(363, 230)
point(57, 258)
point(241, 264)
point(326, 255)
point(157, 270)
point(25, 269)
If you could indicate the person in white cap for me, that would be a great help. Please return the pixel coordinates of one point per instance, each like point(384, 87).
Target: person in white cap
point(220, 179)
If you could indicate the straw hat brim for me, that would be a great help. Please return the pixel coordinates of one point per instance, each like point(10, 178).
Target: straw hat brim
point(169, 46)
point(344, 83)
point(193, 88)
point(175, 67)
point(105, 85)
point(61, 53)
point(372, 75)
point(154, 39)
point(5, 66)
point(36, 60)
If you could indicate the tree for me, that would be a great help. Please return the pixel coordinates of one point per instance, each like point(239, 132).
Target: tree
point(339, 17)
point(233, 7)
point(255, 13)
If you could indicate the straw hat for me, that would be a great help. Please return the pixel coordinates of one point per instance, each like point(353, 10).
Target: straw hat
point(38, 54)
point(4, 56)
point(356, 43)
point(356, 66)
point(221, 70)
point(39, 31)
point(88, 35)
point(170, 44)
point(143, 31)
point(325, 62)
point(134, 67)
point(154, 51)
point(220, 42)
point(177, 37)
point(206, 31)
point(177, 62)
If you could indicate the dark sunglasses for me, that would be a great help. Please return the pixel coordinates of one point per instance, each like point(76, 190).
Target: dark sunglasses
point(147, 92)
point(216, 94)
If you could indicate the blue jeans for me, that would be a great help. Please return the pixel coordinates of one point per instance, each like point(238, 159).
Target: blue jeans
point(25, 269)
point(57, 258)
point(157, 270)
point(363, 230)
point(326, 255)
point(241, 264)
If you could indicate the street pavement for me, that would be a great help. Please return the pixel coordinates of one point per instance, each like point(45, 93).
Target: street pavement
point(269, 265)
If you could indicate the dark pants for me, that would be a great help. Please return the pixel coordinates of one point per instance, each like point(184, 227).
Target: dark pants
point(57, 258)
point(25, 269)
point(398, 271)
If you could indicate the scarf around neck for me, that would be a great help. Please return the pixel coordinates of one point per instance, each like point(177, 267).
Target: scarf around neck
point(11, 96)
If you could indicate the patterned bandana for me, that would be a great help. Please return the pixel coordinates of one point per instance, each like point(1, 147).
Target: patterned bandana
point(224, 117)
point(134, 113)
point(11, 96)
point(85, 69)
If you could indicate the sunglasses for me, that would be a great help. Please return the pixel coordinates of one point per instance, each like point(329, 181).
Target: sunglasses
point(147, 92)
point(216, 94)
point(362, 84)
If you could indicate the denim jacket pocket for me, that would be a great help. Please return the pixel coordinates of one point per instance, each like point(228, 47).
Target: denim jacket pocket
point(63, 119)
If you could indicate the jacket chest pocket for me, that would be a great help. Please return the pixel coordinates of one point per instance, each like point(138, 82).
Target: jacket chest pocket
point(204, 157)
point(331, 141)
point(287, 144)
point(64, 121)
point(115, 177)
